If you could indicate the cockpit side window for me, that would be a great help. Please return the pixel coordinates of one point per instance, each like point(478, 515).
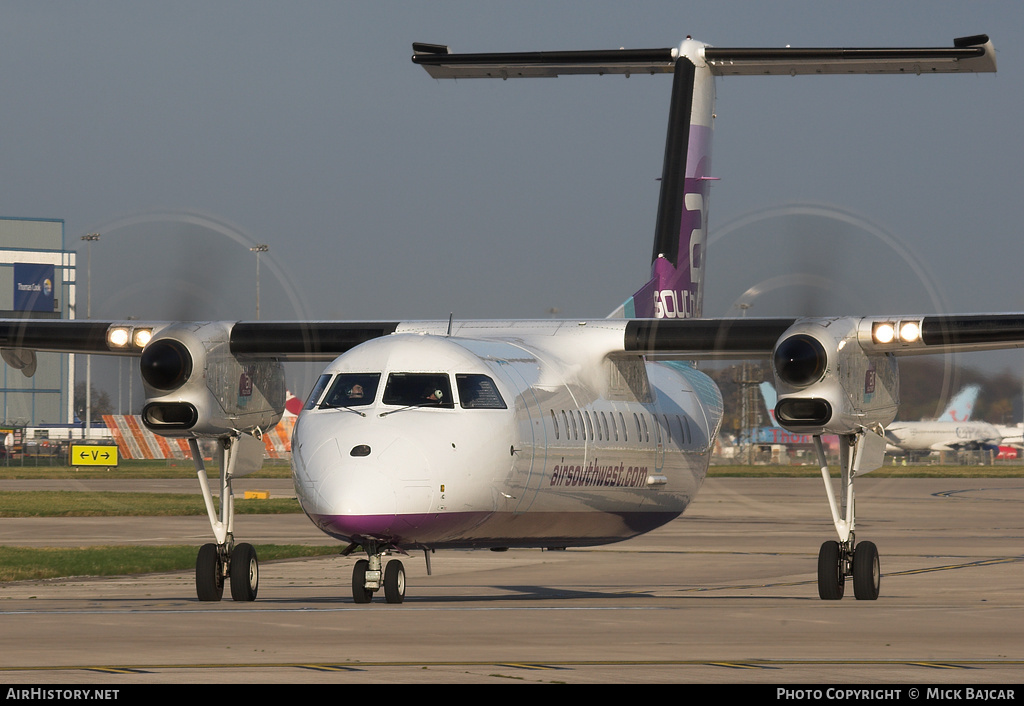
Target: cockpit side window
point(419, 390)
point(318, 389)
point(352, 390)
point(478, 392)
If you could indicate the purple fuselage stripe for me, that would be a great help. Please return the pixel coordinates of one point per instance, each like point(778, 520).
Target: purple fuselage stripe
point(497, 529)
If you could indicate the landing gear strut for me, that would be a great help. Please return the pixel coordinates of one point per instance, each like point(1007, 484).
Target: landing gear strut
point(367, 577)
point(860, 452)
point(225, 561)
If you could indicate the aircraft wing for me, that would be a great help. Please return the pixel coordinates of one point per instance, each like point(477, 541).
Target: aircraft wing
point(691, 338)
point(833, 375)
point(289, 341)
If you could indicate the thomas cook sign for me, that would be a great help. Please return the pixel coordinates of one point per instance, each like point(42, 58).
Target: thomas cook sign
point(33, 287)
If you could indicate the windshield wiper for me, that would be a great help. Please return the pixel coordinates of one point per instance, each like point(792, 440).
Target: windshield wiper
point(341, 406)
point(432, 403)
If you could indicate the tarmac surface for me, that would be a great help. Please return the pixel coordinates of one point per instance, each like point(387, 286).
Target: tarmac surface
point(726, 594)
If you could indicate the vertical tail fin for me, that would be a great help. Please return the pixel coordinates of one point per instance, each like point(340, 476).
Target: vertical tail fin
point(676, 287)
point(770, 397)
point(961, 406)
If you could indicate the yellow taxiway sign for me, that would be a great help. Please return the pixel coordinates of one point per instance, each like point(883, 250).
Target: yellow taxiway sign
point(90, 455)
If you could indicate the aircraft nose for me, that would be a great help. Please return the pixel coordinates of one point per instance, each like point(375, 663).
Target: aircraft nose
point(335, 473)
point(355, 479)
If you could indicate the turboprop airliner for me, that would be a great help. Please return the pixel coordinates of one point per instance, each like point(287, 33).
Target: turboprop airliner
point(953, 430)
point(424, 436)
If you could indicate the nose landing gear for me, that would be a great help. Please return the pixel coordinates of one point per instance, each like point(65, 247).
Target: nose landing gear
point(367, 578)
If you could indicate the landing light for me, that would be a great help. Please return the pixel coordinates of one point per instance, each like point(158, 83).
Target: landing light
point(883, 332)
point(892, 332)
point(910, 331)
point(120, 337)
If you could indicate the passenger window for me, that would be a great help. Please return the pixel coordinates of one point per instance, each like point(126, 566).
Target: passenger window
point(352, 390)
point(479, 392)
point(554, 421)
point(615, 429)
point(604, 423)
point(318, 389)
point(684, 428)
point(418, 390)
point(625, 429)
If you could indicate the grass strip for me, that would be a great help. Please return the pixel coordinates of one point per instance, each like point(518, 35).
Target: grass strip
point(75, 503)
point(34, 563)
point(128, 470)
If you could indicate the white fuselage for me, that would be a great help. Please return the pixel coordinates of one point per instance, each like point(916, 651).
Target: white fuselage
point(564, 446)
point(941, 436)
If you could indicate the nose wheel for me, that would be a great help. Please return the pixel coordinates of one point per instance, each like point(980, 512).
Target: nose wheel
point(367, 579)
point(394, 582)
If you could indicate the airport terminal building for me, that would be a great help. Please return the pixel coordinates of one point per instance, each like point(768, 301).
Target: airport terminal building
point(37, 281)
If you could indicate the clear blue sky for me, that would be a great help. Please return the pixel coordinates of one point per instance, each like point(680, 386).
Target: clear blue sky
point(385, 194)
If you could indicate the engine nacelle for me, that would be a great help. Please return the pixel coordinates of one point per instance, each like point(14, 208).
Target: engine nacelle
point(195, 387)
point(828, 384)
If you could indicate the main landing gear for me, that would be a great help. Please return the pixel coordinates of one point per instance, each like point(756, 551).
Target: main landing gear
point(224, 561)
point(218, 564)
point(860, 452)
point(367, 577)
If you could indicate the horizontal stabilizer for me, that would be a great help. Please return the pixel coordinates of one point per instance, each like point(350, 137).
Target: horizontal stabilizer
point(542, 64)
point(967, 55)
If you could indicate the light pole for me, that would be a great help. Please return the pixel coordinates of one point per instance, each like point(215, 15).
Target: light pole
point(258, 249)
point(89, 239)
point(746, 381)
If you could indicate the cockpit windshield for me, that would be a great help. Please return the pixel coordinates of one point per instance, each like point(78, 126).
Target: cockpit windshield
point(352, 390)
point(318, 389)
point(478, 392)
point(418, 390)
